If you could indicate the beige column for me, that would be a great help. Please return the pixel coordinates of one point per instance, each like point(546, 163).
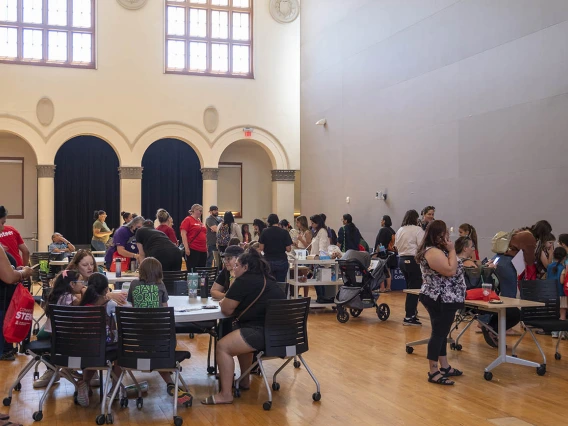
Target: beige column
point(283, 194)
point(45, 205)
point(131, 189)
point(210, 177)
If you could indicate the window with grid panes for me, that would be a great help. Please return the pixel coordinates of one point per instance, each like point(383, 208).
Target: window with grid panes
point(48, 32)
point(209, 37)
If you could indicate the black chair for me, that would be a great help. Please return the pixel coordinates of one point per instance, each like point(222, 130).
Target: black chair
point(147, 342)
point(286, 337)
point(35, 259)
point(542, 317)
point(170, 278)
point(211, 274)
point(79, 342)
point(285, 287)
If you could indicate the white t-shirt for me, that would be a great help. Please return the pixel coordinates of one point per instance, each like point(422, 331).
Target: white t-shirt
point(407, 240)
point(320, 242)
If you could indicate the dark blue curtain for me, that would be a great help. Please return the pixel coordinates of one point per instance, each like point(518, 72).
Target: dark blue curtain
point(171, 179)
point(86, 179)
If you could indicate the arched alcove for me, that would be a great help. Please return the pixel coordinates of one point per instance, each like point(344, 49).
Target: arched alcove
point(86, 179)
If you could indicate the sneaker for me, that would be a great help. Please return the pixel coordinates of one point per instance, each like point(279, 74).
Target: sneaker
point(83, 394)
point(555, 334)
point(7, 356)
point(184, 398)
point(411, 321)
point(95, 381)
point(43, 381)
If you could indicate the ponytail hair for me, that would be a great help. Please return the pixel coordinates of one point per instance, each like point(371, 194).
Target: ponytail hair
point(97, 213)
point(96, 287)
point(470, 231)
point(255, 263)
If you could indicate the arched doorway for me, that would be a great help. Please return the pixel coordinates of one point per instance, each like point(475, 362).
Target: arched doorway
point(171, 179)
point(86, 179)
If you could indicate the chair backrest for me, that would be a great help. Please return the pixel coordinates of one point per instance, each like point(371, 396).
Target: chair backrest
point(350, 270)
point(169, 279)
point(285, 327)
point(146, 338)
point(78, 338)
point(211, 273)
point(544, 291)
point(285, 287)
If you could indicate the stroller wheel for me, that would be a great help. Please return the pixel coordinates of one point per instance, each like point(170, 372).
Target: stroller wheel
point(383, 311)
point(342, 315)
point(355, 312)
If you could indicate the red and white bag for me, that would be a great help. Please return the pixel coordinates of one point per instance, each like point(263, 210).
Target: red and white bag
point(19, 316)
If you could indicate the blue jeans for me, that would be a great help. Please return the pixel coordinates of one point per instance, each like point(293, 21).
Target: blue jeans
point(279, 269)
point(212, 253)
point(98, 245)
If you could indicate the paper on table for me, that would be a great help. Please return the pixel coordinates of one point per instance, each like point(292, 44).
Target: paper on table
point(519, 262)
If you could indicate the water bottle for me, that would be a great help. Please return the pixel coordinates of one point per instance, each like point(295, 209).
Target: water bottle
point(133, 265)
point(118, 267)
point(192, 285)
point(382, 248)
point(203, 286)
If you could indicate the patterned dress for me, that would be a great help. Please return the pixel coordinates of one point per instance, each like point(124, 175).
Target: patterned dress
point(448, 289)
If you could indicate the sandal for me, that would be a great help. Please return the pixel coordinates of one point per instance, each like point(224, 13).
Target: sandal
point(443, 380)
point(448, 373)
point(210, 400)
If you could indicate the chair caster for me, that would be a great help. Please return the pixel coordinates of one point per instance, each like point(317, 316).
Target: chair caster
point(557, 356)
point(316, 396)
point(178, 421)
point(37, 416)
point(409, 349)
point(276, 386)
point(297, 364)
point(109, 419)
point(237, 393)
point(541, 371)
point(124, 402)
point(18, 387)
point(191, 335)
point(267, 405)
point(7, 401)
point(459, 347)
point(139, 403)
point(488, 375)
point(100, 419)
point(514, 355)
point(210, 370)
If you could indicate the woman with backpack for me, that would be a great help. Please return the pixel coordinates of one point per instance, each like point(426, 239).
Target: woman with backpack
point(227, 230)
point(349, 236)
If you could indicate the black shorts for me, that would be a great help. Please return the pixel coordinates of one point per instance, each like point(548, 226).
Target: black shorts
point(253, 336)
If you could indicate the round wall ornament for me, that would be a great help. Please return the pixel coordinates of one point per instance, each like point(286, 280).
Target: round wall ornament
point(132, 4)
point(284, 11)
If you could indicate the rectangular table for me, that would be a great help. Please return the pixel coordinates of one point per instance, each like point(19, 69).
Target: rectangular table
point(65, 262)
point(111, 276)
point(501, 310)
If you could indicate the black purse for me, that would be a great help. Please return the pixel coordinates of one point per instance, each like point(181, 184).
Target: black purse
point(236, 325)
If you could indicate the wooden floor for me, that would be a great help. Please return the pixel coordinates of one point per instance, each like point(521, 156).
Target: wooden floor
point(366, 378)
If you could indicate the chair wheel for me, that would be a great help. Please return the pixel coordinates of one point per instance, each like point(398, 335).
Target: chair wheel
point(124, 402)
point(557, 356)
point(383, 311)
point(453, 346)
point(237, 393)
point(276, 386)
point(409, 349)
point(210, 370)
point(541, 371)
point(191, 335)
point(316, 396)
point(178, 421)
point(297, 364)
point(7, 401)
point(355, 312)
point(37, 416)
point(109, 419)
point(459, 347)
point(267, 405)
point(488, 375)
point(18, 387)
point(100, 419)
point(188, 404)
point(139, 403)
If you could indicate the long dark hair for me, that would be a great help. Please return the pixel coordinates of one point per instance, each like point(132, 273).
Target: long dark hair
point(435, 236)
point(228, 219)
point(470, 231)
point(563, 239)
point(559, 255)
point(260, 224)
point(541, 229)
point(61, 285)
point(318, 220)
point(97, 213)
point(97, 286)
point(255, 263)
point(410, 218)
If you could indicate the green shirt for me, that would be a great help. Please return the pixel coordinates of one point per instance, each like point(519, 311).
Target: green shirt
point(102, 227)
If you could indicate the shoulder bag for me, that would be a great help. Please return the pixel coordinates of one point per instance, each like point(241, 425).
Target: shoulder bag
point(235, 323)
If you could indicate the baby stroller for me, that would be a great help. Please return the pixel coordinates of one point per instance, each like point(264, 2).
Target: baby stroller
point(359, 289)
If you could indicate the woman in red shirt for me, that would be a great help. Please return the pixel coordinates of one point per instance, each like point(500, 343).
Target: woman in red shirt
point(194, 236)
point(166, 225)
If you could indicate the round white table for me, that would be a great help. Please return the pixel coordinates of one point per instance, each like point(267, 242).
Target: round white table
point(191, 310)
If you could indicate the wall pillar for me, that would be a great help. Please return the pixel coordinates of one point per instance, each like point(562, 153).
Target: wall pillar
point(131, 189)
point(210, 178)
point(283, 194)
point(45, 204)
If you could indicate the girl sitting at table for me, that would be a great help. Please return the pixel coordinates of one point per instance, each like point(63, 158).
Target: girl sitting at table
point(149, 291)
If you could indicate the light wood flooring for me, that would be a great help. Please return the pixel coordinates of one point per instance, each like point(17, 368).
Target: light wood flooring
point(366, 379)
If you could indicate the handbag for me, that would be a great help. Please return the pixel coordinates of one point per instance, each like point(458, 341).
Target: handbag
point(235, 323)
point(19, 316)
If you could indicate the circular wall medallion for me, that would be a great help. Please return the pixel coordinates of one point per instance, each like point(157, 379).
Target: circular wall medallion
point(132, 4)
point(284, 11)
point(45, 110)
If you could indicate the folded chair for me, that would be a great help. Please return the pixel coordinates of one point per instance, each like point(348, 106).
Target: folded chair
point(286, 337)
point(545, 317)
point(147, 342)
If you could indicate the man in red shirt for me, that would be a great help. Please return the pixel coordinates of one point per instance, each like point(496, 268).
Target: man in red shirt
point(12, 241)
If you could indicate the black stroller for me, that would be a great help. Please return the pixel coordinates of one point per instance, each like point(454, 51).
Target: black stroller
point(359, 289)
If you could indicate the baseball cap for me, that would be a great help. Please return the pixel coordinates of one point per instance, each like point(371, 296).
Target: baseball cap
point(213, 208)
point(234, 251)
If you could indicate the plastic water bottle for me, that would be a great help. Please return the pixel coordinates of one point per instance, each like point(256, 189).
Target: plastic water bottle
point(382, 248)
point(192, 285)
point(118, 268)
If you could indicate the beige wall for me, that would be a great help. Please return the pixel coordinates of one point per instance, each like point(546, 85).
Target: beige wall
point(457, 104)
point(130, 102)
point(11, 146)
point(257, 180)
